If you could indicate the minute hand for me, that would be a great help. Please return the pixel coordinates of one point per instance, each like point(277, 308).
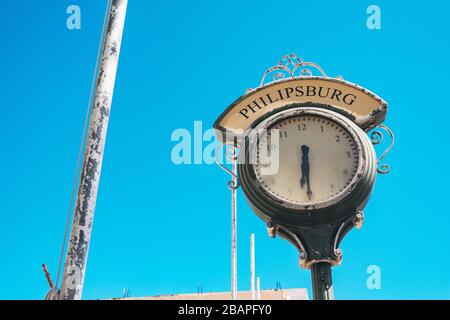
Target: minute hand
point(305, 171)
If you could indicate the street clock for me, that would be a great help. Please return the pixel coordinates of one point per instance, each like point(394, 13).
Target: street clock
point(306, 163)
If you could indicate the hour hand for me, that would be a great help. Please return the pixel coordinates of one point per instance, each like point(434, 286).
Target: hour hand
point(305, 171)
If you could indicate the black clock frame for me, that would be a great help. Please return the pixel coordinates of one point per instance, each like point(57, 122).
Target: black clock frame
point(316, 232)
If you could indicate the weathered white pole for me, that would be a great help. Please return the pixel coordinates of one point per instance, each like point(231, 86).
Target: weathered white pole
point(80, 234)
point(252, 266)
point(234, 230)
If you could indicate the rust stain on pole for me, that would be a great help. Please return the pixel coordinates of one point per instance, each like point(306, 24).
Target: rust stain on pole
point(75, 266)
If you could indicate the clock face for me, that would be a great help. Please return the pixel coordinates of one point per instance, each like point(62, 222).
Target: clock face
point(317, 159)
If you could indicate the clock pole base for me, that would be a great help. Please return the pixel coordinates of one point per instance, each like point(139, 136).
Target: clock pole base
point(321, 281)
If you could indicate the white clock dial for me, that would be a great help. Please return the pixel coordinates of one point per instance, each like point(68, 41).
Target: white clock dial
point(318, 159)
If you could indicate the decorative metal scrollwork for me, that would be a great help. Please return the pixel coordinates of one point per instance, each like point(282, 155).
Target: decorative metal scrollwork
point(231, 153)
point(288, 67)
point(290, 236)
point(376, 137)
point(337, 251)
point(358, 220)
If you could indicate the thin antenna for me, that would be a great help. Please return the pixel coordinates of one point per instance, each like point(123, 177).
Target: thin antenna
point(231, 153)
point(252, 266)
point(126, 293)
point(258, 288)
point(234, 295)
point(200, 289)
point(278, 287)
point(47, 276)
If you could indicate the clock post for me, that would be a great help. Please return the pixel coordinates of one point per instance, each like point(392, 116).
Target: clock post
point(322, 282)
point(306, 162)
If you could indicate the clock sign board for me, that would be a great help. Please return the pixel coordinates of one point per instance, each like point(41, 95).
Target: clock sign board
point(306, 163)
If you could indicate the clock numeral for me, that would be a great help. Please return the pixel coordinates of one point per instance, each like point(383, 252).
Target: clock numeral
point(265, 164)
point(302, 127)
point(338, 138)
point(321, 128)
point(283, 134)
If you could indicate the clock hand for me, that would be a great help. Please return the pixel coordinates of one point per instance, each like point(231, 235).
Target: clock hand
point(305, 171)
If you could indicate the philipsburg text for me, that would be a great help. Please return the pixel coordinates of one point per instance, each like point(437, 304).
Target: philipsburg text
point(298, 91)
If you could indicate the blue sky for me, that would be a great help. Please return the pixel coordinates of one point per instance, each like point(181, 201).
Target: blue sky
point(161, 228)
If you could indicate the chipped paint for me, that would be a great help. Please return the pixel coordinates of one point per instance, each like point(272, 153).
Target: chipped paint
point(75, 266)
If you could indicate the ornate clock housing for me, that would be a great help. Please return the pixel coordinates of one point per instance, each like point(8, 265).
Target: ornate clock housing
point(307, 165)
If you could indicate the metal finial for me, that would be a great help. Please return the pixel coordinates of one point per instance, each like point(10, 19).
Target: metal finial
point(291, 66)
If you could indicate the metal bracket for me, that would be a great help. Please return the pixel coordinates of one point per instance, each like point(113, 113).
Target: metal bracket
point(376, 137)
point(231, 153)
